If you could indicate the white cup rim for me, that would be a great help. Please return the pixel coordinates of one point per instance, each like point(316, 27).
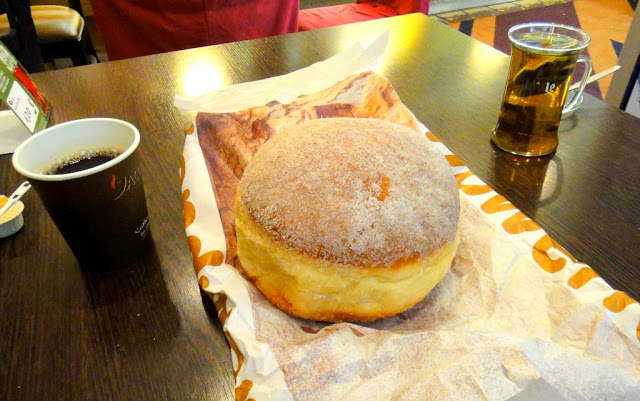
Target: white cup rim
point(78, 174)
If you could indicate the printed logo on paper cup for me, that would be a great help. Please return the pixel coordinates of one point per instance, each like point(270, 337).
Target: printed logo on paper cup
point(121, 185)
point(143, 229)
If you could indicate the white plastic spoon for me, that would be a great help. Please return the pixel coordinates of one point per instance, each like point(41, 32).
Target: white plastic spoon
point(15, 196)
point(596, 77)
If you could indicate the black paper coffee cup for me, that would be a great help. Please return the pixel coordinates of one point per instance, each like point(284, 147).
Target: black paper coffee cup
point(100, 210)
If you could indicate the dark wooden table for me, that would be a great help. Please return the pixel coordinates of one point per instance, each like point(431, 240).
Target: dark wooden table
point(146, 333)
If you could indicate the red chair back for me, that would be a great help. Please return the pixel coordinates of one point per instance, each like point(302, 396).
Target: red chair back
point(403, 6)
point(361, 10)
point(133, 28)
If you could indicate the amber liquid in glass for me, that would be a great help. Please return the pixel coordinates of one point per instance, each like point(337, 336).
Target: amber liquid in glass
point(535, 93)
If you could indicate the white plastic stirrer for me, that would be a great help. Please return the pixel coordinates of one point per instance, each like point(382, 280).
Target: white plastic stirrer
point(15, 196)
point(596, 77)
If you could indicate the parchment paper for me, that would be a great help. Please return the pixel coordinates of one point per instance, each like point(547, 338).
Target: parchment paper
point(516, 318)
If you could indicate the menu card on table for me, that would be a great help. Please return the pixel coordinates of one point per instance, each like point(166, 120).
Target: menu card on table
point(22, 96)
point(516, 317)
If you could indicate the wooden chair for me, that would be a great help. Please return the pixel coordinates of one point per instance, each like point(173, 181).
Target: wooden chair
point(361, 10)
point(20, 35)
point(60, 32)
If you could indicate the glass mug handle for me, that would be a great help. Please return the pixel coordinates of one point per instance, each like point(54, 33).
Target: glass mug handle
point(588, 67)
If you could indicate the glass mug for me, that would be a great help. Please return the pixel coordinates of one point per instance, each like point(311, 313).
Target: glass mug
point(543, 59)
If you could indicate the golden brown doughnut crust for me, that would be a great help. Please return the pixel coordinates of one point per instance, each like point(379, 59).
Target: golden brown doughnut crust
point(353, 208)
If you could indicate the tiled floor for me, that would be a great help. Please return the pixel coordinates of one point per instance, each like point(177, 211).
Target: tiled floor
point(458, 15)
point(503, 8)
point(606, 21)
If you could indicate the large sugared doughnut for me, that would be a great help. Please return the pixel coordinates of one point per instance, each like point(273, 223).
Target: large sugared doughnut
point(347, 219)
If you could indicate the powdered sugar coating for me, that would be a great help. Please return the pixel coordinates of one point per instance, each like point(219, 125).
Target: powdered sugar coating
point(353, 191)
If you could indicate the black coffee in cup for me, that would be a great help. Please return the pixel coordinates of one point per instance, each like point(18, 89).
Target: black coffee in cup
point(82, 160)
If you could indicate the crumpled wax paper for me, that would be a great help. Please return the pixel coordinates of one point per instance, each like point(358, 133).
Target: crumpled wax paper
point(516, 317)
